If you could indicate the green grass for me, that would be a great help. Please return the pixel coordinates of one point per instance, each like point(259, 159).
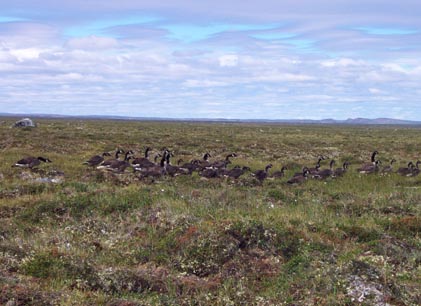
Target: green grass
point(104, 239)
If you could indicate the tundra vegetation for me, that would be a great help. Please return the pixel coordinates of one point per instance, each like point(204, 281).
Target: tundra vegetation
point(74, 235)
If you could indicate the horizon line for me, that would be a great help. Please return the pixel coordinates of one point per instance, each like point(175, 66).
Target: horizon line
point(356, 120)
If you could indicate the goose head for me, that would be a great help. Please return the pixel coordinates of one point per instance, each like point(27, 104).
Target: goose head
point(206, 156)
point(45, 160)
point(268, 167)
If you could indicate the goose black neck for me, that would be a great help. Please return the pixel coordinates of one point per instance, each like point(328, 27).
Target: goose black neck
point(373, 156)
point(147, 152)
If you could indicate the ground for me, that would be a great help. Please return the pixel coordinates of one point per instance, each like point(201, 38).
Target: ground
point(73, 235)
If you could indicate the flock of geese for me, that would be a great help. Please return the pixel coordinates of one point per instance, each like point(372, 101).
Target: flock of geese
point(161, 166)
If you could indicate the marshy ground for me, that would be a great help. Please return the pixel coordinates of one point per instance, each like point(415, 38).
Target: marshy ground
point(96, 238)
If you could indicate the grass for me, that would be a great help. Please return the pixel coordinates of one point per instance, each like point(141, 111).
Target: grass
point(98, 238)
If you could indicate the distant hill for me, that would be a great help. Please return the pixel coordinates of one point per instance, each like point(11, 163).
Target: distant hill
point(379, 121)
point(349, 121)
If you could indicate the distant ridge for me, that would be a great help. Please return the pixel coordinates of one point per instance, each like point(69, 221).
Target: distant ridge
point(349, 121)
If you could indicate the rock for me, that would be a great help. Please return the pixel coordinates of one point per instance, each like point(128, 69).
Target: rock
point(25, 122)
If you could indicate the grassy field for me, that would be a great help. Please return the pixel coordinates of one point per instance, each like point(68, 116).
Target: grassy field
point(95, 238)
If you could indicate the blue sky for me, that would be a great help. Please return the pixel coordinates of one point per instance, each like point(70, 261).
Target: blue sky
point(267, 59)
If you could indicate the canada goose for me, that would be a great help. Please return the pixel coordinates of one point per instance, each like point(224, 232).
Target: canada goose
point(299, 178)
point(262, 174)
point(388, 168)
point(143, 162)
point(155, 171)
point(313, 171)
point(120, 165)
point(106, 163)
point(203, 163)
point(190, 167)
point(341, 171)
point(236, 172)
point(316, 167)
point(406, 171)
point(204, 171)
point(173, 170)
point(416, 169)
point(325, 173)
point(147, 165)
point(369, 167)
point(30, 162)
point(96, 160)
point(280, 173)
point(209, 173)
point(302, 171)
point(223, 163)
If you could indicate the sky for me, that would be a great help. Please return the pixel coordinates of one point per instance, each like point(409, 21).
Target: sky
point(266, 59)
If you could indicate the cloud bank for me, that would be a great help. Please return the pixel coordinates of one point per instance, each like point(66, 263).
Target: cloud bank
point(219, 59)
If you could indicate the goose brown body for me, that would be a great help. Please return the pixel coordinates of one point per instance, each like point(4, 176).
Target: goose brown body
point(31, 162)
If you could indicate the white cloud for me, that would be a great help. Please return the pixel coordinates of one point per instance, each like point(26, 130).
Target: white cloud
point(137, 64)
point(203, 83)
point(229, 60)
point(342, 62)
point(26, 54)
point(376, 91)
point(376, 76)
point(394, 68)
point(283, 77)
point(92, 43)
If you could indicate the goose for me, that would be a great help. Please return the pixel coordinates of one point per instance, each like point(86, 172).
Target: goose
point(370, 167)
point(120, 165)
point(204, 162)
point(416, 169)
point(173, 170)
point(96, 160)
point(190, 167)
point(155, 171)
point(222, 163)
point(143, 162)
point(341, 171)
point(302, 171)
point(299, 179)
point(156, 165)
point(30, 162)
point(312, 171)
point(209, 173)
point(106, 163)
point(388, 168)
point(262, 174)
point(204, 171)
point(316, 167)
point(280, 173)
point(406, 171)
point(236, 172)
point(325, 173)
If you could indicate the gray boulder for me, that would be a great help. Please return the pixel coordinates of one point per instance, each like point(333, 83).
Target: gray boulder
point(24, 123)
